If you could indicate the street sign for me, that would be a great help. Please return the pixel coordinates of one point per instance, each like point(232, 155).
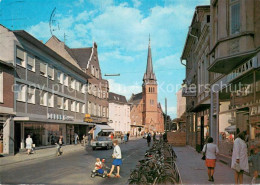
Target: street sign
point(189, 91)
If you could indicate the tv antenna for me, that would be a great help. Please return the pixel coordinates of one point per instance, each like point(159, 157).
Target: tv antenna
point(53, 22)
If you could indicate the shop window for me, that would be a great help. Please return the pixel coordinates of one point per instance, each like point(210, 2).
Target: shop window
point(20, 57)
point(21, 92)
point(43, 98)
point(31, 95)
point(31, 63)
point(50, 100)
point(59, 102)
point(43, 69)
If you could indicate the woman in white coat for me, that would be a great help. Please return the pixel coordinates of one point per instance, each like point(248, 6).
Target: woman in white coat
point(240, 158)
point(29, 143)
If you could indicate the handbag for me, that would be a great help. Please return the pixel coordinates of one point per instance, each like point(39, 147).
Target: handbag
point(237, 167)
point(204, 154)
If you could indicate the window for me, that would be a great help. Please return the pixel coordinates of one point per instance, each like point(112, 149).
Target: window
point(83, 108)
point(60, 77)
point(104, 112)
point(66, 104)
point(59, 102)
point(152, 102)
point(93, 70)
point(83, 87)
point(78, 84)
point(73, 106)
point(208, 18)
point(50, 100)
point(1, 87)
point(89, 88)
point(234, 16)
point(43, 68)
point(20, 57)
point(89, 107)
point(97, 73)
point(30, 62)
point(43, 98)
point(51, 72)
point(31, 95)
point(72, 83)
point(21, 92)
point(77, 108)
point(65, 80)
point(95, 109)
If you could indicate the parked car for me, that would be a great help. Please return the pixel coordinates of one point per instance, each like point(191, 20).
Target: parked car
point(102, 142)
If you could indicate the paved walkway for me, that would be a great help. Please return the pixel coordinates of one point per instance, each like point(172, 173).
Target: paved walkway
point(43, 153)
point(194, 171)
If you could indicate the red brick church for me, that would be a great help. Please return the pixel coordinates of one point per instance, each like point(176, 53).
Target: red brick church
point(146, 112)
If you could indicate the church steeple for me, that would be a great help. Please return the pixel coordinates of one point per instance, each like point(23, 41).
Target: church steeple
point(149, 76)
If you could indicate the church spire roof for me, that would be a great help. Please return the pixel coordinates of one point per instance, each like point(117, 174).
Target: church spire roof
point(149, 76)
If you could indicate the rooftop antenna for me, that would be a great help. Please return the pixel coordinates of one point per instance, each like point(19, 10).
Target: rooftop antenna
point(112, 74)
point(65, 38)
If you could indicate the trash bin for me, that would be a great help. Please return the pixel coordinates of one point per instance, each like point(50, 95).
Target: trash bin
point(1, 146)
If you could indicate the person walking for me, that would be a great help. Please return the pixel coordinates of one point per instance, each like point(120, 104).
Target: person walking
point(117, 159)
point(254, 159)
point(154, 137)
point(148, 138)
point(29, 143)
point(127, 136)
point(210, 150)
point(239, 158)
point(84, 139)
point(59, 144)
point(89, 139)
point(76, 137)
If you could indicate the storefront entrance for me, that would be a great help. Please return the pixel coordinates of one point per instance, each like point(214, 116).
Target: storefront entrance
point(17, 137)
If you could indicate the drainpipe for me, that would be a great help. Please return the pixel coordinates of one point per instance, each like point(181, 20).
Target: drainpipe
point(190, 28)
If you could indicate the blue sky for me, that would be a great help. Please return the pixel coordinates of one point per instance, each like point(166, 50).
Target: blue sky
point(121, 30)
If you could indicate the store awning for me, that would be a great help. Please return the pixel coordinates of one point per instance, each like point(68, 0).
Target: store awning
point(231, 129)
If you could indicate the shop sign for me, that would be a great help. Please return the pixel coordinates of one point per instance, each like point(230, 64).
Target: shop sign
point(189, 91)
point(54, 116)
point(88, 118)
point(68, 118)
point(239, 71)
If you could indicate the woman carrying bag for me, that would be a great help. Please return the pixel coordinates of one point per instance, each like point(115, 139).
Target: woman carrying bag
point(210, 151)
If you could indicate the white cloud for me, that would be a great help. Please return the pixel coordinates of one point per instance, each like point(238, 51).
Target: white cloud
point(123, 89)
point(101, 4)
point(115, 56)
point(171, 110)
point(136, 3)
point(170, 61)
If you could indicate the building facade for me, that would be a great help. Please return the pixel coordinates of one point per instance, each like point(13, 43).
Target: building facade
point(235, 54)
point(152, 114)
point(224, 60)
point(98, 88)
point(136, 114)
point(119, 113)
point(6, 104)
point(49, 93)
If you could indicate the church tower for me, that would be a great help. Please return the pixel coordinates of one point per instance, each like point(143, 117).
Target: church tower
point(150, 115)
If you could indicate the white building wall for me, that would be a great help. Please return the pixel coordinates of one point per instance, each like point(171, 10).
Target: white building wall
point(119, 117)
